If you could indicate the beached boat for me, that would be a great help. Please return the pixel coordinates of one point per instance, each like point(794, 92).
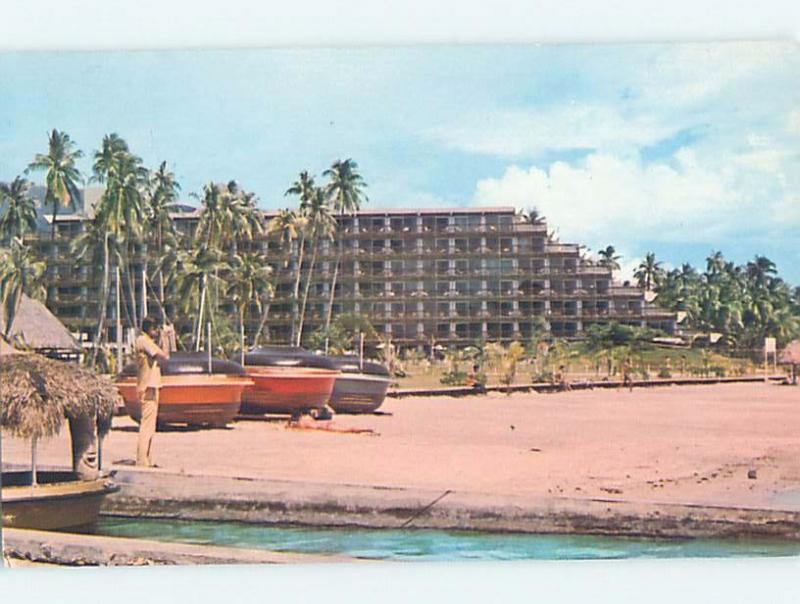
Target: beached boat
point(361, 387)
point(287, 380)
point(59, 500)
point(190, 393)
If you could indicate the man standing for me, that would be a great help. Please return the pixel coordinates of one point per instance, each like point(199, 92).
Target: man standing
point(148, 384)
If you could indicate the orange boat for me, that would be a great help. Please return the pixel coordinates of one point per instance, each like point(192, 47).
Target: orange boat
point(287, 380)
point(190, 393)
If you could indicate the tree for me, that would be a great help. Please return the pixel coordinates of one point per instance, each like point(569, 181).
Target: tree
point(198, 270)
point(321, 225)
point(121, 209)
point(609, 258)
point(531, 216)
point(62, 177)
point(649, 273)
point(19, 216)
point(21, 272)
point(345, 192)
point(305, 189)
point(249, 279)
point(161, 200)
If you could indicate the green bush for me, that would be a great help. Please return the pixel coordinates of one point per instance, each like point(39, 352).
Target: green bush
point(664, 373)
point(454, 378)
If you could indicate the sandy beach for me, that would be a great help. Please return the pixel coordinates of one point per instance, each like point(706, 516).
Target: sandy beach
point(694, 444)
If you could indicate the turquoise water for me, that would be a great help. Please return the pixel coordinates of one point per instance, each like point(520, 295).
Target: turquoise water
point(426, 545)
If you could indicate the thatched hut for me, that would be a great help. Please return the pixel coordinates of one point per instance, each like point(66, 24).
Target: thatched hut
point(36, 328)
point(37, 394)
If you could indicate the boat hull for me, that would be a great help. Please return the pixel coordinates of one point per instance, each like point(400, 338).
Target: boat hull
point(287, 390)
point(212, 400)
point(357, 393)
point(58, 502)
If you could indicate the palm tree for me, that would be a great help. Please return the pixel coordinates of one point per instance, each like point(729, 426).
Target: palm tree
point(250, 280)
point(20, 213)
point(161, 202)
point(305, 189)
point(609, 258)
point(649, 273)
point(21, 272)
point(531, 216)
point(198, 270)
point(92, 248)
point(321, 225)
point(345, 192)
point(121, 208)
point(62, 178)
point(227, 214)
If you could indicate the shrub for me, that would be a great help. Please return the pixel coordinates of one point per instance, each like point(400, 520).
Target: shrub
point(664, 373)
point(454, 378)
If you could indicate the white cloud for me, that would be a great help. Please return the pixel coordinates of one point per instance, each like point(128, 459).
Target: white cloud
point(623, 202)
point(569, 126)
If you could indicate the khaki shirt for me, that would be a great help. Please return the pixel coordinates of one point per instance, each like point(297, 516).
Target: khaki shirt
point(149, 371)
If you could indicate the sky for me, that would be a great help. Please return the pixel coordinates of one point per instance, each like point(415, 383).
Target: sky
point(679, 149)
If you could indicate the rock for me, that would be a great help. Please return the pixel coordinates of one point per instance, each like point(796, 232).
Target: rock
point(752, 474)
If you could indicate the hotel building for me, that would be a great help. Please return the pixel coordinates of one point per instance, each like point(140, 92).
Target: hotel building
point(422, 277)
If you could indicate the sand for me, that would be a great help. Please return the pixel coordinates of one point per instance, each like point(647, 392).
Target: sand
point(688, 444)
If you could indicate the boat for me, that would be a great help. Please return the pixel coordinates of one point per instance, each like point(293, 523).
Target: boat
point(194, 390)
point(288, 380)
point(361, 387)
point(60, 500)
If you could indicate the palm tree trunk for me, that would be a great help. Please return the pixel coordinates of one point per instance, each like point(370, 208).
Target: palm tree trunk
point(296, 290)
point(261, 323)
point(302, 316)
point(335, 276)
point(104, 293)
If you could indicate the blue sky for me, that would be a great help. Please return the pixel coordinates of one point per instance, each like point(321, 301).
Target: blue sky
point(678, 149)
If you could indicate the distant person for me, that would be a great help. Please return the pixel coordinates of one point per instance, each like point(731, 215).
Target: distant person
point(473, 379)
point(148, 383)
point(561, 379)
point(627, 374)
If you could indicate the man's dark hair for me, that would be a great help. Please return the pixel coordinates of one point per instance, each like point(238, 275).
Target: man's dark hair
point(149, 323)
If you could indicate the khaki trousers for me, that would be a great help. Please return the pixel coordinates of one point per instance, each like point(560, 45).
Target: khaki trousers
point(147, 425)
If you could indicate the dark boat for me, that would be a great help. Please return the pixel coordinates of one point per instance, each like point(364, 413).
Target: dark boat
point(59, 500)
point(190, 393)
point(361, 387)
point(287, 380)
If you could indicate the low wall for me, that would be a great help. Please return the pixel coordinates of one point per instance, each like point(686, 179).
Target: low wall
point(545, 387)
point(157, 494)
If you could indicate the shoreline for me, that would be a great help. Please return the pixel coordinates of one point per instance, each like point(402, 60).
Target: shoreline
point(161, 495)
point(689, 462)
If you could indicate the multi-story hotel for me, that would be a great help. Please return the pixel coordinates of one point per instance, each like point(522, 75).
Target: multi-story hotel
point(443, 276)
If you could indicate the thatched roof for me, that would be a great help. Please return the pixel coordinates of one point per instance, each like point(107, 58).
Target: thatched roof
point(38, 328)
point(37, 393)
point(791, 354)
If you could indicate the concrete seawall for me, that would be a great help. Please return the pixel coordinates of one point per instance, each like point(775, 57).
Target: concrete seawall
point(156, 494)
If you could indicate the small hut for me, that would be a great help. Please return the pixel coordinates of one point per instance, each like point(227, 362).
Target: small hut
point(37, 394)
point(791, 356)
point(37, 329)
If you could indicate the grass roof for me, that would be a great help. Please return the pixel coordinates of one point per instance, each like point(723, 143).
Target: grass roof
point(37, 393)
